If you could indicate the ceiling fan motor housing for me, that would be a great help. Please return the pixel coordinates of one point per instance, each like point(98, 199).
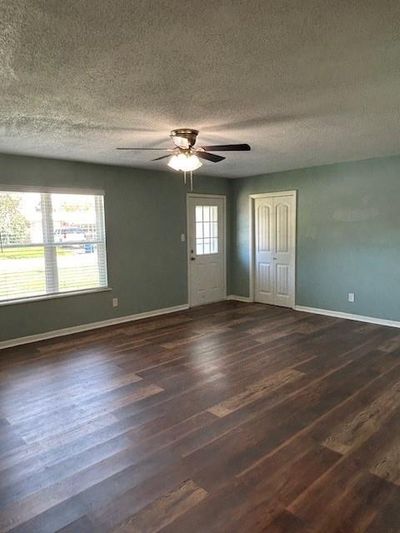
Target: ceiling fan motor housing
point(184, 137)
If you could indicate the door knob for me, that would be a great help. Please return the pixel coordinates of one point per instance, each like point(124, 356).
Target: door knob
point(193, 259)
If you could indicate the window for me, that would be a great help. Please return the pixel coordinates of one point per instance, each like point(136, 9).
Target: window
point(51, 243)
point(206, 229)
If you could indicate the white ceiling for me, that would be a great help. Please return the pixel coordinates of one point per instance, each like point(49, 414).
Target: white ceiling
point(304, 82)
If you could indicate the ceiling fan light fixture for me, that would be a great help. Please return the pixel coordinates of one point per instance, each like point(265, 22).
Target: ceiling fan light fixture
point(185, 158)
point(185, 162)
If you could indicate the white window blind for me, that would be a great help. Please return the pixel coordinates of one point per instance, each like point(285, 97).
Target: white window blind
point(51, 242)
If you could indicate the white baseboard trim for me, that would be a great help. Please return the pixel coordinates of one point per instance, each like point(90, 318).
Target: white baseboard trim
point(245, 299)
point(348, 316)
point(87, 327)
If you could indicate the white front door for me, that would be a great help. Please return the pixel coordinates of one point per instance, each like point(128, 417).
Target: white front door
point(206, 249)
point(274, 242)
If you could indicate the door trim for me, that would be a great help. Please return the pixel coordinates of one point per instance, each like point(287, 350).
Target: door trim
point(199, 195)
point(252, 198)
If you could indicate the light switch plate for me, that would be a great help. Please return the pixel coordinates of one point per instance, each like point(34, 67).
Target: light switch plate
point(350, 297)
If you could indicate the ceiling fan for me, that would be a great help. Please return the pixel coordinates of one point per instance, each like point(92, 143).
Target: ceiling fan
point(185, 157)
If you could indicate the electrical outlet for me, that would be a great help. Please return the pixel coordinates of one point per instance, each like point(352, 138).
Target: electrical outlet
point(115, 302)
point(350, 297)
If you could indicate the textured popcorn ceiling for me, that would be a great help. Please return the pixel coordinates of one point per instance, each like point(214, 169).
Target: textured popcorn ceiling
point(305, 82)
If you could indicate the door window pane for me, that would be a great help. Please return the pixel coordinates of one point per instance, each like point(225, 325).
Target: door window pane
point(206, 229)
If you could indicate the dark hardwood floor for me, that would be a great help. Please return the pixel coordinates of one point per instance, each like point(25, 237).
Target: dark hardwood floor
point(231, 417)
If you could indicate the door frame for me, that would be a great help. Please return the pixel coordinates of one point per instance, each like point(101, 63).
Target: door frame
point(252, 198)
point(199, 195)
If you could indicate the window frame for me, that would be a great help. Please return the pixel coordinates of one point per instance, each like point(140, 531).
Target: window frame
point(53, 245)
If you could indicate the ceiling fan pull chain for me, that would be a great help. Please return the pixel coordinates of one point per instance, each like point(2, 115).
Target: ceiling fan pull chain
point(191, 181)
point(184, 177)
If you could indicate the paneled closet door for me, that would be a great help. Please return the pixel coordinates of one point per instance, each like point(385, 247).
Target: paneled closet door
point(274, 225)
point(264, 223)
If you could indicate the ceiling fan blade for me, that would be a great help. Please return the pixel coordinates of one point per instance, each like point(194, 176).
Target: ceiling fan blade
point(210, 157)
point(228, 148)
point(158, 149)
point(162, 157)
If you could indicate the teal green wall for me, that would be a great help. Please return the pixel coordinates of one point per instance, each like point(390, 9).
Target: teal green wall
point(348, 238)
point(145, 216)
point(348, 235)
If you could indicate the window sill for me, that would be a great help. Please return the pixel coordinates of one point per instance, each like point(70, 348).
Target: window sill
point(54, 296)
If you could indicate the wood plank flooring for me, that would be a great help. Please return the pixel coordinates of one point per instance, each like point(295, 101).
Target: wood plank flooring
point(230, 417)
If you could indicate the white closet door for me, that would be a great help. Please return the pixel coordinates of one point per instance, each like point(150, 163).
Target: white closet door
point(264, 250)
point(275, 250)
point(284, 257)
